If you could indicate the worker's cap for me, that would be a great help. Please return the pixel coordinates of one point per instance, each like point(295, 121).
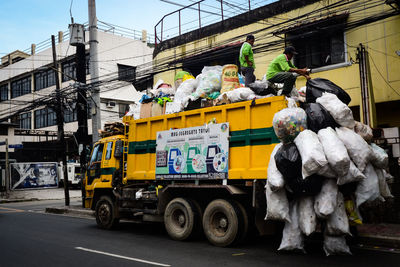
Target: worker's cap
point(290, 50)
point(250, 37)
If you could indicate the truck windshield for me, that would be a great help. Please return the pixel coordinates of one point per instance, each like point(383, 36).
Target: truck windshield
point(97, 153)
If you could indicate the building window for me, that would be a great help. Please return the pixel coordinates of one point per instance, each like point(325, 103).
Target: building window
point(319, 49)
point(70, 115)
point(3, 92)
point(21, 87)
point(69, 69)
point(45, 117)
point(44, 79)
point(51, 117)
point(123, 109)
point(25, 121)
point(126, 73)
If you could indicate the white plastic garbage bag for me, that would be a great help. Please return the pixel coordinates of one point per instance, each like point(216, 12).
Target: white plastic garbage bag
point(383, 186)
point(364, 131)
point(275, 178)
point(185, 90)
point(340, 112)
point(239, 94)
point(335, 151)
point(353, 175)
point(335, 245)
point(311, 152)
point(359, 150)
point(337, 223)
point(208, 81)
point(388, 176)
point(307, 216)
point(277, 205)
point(368, 188)
point(325, 202)
point(134, 110)
point(380, 158)
point(292, 237)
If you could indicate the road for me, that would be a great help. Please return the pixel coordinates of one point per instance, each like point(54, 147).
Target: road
point(30, 237)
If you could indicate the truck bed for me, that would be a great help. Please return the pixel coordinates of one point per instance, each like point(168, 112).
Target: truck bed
point(251, 142)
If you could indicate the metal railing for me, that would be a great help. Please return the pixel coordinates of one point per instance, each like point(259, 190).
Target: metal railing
point(197, 15)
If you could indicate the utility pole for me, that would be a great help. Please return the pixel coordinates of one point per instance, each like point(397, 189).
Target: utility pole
point(94, 70)
point(60, 123)
point(7, 171)
point(368, 115)
point(82, 133)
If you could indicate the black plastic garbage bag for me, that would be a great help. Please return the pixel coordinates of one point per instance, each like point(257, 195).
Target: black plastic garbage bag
point(261, 88)
point(318, 117)
point(317, 86)
point(288, 161)
point(310, 186)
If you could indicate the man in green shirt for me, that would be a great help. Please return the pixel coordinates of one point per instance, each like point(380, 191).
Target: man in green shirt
point(246, 60)
point(282, 70)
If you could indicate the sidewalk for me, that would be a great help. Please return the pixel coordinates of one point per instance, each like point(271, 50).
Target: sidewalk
point(38, 194)
point(383, 234)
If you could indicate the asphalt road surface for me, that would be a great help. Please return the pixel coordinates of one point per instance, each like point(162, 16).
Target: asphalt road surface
point(30, 237)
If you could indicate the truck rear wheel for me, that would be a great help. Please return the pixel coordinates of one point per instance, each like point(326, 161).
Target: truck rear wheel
point(245, 224)
point(105, 213)
point(181, 219)
point(222, 222)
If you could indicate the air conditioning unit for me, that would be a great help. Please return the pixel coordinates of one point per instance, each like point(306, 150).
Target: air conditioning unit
point(111, 104)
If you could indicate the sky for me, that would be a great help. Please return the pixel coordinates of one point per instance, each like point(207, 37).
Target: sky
point(24, 22)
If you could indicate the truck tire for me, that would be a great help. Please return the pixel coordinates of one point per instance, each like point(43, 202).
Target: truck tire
point(245, 223)
point(198, 230)
point(222, 222)
point(181, 219)
point(105, 213)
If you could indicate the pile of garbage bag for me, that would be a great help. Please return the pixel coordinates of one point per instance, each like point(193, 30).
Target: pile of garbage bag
point(323, 170)
point(215, 84)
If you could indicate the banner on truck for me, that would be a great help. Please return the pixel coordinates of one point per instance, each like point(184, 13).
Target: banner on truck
point(193, 153)
point(33, 175)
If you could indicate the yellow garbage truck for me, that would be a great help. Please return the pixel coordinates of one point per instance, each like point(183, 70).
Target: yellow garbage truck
point(202, 170)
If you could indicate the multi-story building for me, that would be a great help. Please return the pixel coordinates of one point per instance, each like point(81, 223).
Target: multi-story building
point(327, 35)
point(27, 88)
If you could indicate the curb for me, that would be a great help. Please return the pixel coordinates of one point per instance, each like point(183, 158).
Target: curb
point(65, 210)
point(377, 240)
point(2, 201)
point(14, 200)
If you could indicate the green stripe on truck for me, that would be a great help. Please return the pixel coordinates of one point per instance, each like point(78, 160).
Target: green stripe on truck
point(249, 137)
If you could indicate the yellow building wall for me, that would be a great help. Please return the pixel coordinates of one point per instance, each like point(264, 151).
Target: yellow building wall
point(381, 39)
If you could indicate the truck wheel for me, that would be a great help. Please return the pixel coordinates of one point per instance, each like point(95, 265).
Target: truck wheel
point(198, 229)
point(222, 222)
point(245, 223)
point(105, 213)
point(180, 218)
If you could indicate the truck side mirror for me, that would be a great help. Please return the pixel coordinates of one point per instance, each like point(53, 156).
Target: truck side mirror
point(119, 148)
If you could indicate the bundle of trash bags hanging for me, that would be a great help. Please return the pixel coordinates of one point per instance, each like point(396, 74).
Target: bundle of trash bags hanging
point(323, 170)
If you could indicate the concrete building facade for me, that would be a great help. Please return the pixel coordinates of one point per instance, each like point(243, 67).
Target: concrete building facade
point(26, 79)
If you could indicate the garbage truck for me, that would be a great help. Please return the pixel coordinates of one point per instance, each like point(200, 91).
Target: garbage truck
point(197, 171)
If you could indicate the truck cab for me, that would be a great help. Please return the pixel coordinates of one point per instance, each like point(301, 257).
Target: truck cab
point(104, 166)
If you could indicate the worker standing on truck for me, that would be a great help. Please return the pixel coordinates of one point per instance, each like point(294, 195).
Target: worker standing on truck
point(282, 70)
point(246, 60)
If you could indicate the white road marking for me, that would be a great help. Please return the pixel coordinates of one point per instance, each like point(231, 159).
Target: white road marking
point(122, 257)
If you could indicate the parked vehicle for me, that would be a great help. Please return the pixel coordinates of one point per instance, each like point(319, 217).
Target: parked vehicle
point(147, 175)
point(74, 174)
